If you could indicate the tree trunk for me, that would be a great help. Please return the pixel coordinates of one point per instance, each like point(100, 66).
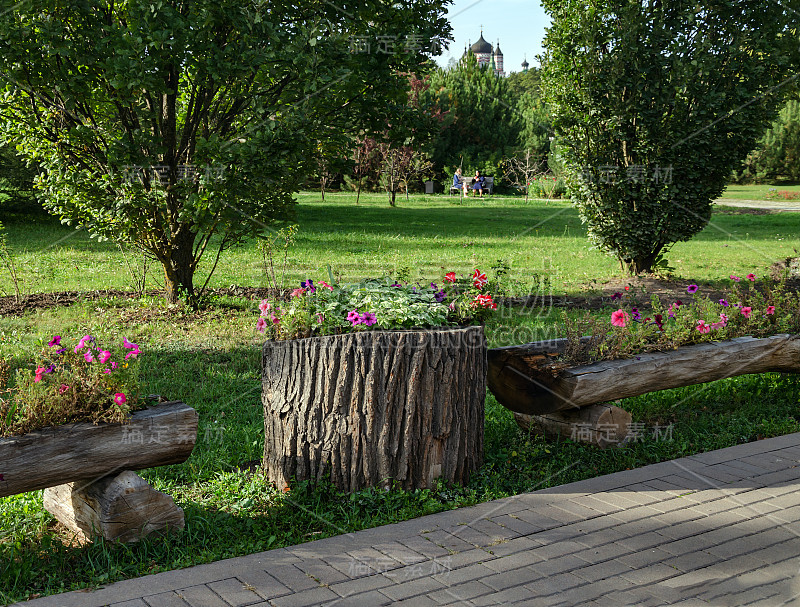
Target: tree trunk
point(374, 407)
point(164, 434)
point(640, 264)
point(122, 508)
point(523, 379)
point(358, 191)
point(600, 425)
point(179, 269)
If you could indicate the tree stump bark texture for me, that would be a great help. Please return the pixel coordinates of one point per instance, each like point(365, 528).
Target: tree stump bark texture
point(373, 408)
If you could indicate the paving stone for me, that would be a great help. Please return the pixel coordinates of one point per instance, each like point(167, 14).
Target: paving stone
point(165, 599)
point(400, 553)
point(509, 596)
point(363, 584)
point(601, 537)
point(601, 571)
point(476, 537)
point(372, 598)
point(553, 584)
point(423, 546)
point(292, 577)
point(684, 530)
point(557, 549)
point(643, 558)
point(478, 571)
point(631, 515)
point(602, 553)
point(315, 596)
point(515, 524)
point(511, 547)
point(236, 593)
point(559, 565)
point(201, 596)
point(673, 485)
point(692, 560)
point(461, 592)
point(414, 587)
point(508, 579)
point(618, 500)
point(650, 574)
point(600, 506)
point(643, 540)
point(133, 603)
point(776, 553)
point(448, 541)
point(418, 601)
point(514, 561)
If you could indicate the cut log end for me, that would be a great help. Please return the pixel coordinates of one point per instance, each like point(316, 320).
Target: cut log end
point(123, 508)
point(599, 425)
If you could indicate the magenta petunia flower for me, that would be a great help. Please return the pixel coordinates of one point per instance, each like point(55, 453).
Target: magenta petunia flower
point(619, 318)
point(354, 317)
point(770, 310)
point(56, 341)
point(724, 302)
point(735, 278)
point(132, 354)
point(751, 277)
point(723, 318)
point(63, 388)
point(128, 344)
point(368, 319)
point(88, 356)
point(703, 327)
point(120, 399)
point(103, 356)
point(746, 310)
point(298, 292)
point(261, 325)
point(82, 343)
point(39, 373)
point(692, 289)
point(617, 295)
point(326, 285)
point(320, 318)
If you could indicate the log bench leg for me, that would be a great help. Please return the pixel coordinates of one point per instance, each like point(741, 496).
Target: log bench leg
point(602, 425)
point(121, 508)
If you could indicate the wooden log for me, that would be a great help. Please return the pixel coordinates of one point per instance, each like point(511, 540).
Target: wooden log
point(373, 408)
point(601, 425)
point(520, 381)
point(161, 435)
point(122, 508)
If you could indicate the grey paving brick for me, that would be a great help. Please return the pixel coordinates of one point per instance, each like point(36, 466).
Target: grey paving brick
point(400, 553)
point(559, 565)
point(776, 553)
point(292, 577)
point(372, 598)
point(600, 571)
point(422, 545)
point(315, 596)
point(234, 592)
point(201, 596)
point(674, 485)
point(414, 587)
point(324, 573)
point(362, 584)
point(476, 537)
point(418, 601)
point(165, 599)
point(448, 541)
point(643, 540)
point(553, 584)
point(557, 549)
point(600, 537)
point(692, 560)
point(511, 547)
point(600, 506)
point(631, 515)
point(508, 596)
point(478, 571)
point(515, 524)
point(514, 561)
point(461, 593)
point(538, 519)
point(133, 603)
point(598, 554)
point(508, 579)
point(643, 558)
point(650, 574)
point(619, 500)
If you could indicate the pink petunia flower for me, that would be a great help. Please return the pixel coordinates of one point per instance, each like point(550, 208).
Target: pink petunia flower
point(261, 325)
point(129, 345)
point(751, 277)
point(88, 356)
point(368, 319)
point(264, 306)
point(120, 399)
point(56, 341)
point(132, 354)
point(320, 318)
point(770, 310)
point(746, 310)
point(63, 388)
point(723, 318)
point(298, 292)
point(619, 318)
point(322, 283)
point(39, 372)
point(103, 356)
point(450, 277)
point(735, 278)
point(354, 317)
point(82, 342)
point(703, 327)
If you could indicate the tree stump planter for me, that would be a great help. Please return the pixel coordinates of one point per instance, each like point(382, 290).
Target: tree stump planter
point(89, 468)
point(520, 380)
point(374, 408)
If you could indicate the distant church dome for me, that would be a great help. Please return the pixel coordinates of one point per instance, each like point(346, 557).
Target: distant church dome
point(481, 46)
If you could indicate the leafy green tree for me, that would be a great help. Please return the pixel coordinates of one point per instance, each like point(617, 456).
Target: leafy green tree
point(184, 126)
point(777, 155)
point(480, 121)
point(654, 102)
point(16, 183)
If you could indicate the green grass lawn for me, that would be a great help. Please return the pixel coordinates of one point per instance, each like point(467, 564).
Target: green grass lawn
point(210, 360)
point(756, 192)
point(428, 235)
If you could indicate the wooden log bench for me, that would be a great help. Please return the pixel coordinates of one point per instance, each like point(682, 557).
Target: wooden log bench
point(87, 471)
point(523, 379)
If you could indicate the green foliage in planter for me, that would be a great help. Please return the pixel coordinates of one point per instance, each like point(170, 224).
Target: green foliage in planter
point(84, 383)
point(654, 103)
point(377, 304)
point(743, 311)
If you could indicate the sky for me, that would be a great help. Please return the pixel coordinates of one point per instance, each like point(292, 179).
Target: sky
point(520, 25)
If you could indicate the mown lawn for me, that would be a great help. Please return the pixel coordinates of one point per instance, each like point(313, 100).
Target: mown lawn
point(210, 360)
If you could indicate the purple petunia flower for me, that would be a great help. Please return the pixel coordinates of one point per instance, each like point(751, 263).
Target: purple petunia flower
point(354, 317)
point(635, 314)
point(368, 318)
point(724, 302)
point(440, 296)
point(616, 296)
point(56, 341)
point(308, 285)
point(692, 289)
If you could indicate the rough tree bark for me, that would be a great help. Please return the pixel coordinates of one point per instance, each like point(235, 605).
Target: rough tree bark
point(600, 425)
point(161, 435)
point(520, 379)
point(371, 408)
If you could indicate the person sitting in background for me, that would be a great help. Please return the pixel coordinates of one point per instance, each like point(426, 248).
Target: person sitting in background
point(478, 183)
point(459, 182)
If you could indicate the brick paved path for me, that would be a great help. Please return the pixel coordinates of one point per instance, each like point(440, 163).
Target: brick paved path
point(720, 528)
